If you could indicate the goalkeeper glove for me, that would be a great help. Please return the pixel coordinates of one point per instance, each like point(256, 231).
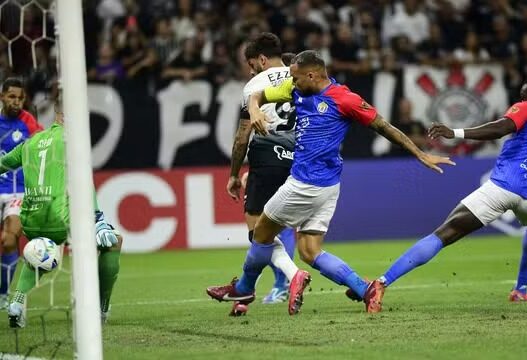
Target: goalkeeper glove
point(104, 235)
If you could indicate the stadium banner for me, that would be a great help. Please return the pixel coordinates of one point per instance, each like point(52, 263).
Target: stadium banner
point(189, 208)
point(193, 123)
point(458, 97)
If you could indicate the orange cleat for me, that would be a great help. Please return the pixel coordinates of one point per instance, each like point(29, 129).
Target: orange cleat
point(373, 297)
point(517, 296)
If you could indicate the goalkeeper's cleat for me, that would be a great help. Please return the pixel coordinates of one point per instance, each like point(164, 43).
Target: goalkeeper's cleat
point(16, 313)
point(518, 295)
point(105, 314)
point(296, 291)
point(373, 296)
point(239, 309)
point(229, 293)
point(4, 302)
point(276, 295)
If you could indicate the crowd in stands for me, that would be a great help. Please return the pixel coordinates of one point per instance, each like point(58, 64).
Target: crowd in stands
point(157, 41)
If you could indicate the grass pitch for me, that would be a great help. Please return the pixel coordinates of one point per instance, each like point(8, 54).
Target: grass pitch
point(455, 307)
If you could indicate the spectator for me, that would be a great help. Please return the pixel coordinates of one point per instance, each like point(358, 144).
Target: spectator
point(290, 41)
point(317, 40)
point(413, 128)
point(222, 68)
point(137, 58)
point(344, 52)
point(302, 22)
point(410, 21)
point(472, 52)
point(433, 50)
point(164, 42)
point(187, 65)
point(503, 47)
point(108, 68)
point(370, 56)
point(403, 50)
point(183, 23)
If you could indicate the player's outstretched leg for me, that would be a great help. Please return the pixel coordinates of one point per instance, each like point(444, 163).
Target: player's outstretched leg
point(17, 308)
point(459, 223)
point(109, 265)
point(282, 256)
point(519, 293)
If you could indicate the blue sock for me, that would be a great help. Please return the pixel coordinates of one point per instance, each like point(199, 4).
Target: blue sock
point(258, 257)
point(287, 236)
point(521, 283)
point(420, 253)
point(8, 264)
point(339, 272)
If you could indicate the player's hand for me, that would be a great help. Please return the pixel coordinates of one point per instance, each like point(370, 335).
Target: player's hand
point(233, 187)
point(259, 123)
point(104, 235)
point(439, 130)
point(432, 161)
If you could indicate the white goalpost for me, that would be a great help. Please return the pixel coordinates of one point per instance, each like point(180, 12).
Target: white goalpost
point(85, 300)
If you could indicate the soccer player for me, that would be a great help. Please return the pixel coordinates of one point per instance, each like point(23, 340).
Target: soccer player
point(16, 125)
point(45, 212)
point(270, 157)
point(308, 199)
point(506, 190)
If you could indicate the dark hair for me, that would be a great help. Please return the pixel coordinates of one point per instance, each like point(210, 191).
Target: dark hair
point(266, 44)
point(287, 57)
point(12, 82)
point(308, 58)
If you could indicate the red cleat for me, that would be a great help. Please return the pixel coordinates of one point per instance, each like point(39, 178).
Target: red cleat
point(517, 296)
point(228, 293)
point(296, 291)
point(373, 296)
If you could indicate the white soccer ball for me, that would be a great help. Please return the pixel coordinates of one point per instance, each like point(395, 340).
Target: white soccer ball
point(41, 253)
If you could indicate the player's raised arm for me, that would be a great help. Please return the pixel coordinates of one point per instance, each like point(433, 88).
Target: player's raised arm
point(12, 160)
point(396, 136)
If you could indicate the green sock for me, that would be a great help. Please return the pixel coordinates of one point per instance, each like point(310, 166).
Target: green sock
point(26, 282)
point(108, 271)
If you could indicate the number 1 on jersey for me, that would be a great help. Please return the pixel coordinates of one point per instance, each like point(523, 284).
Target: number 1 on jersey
point(42, 156)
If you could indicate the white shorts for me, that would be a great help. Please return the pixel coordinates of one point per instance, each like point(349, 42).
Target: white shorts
point(11, 204)
point(490, 201)
point(302, 206)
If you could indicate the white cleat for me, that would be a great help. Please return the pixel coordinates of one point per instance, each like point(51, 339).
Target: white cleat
point(105, 315)
point(17, 315)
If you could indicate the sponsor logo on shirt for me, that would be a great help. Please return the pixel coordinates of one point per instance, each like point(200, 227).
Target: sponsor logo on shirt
point(322, 107)
point(282, 153)
point(523, 166)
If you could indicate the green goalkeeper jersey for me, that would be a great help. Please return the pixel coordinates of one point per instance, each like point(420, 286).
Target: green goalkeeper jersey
point(45, 205)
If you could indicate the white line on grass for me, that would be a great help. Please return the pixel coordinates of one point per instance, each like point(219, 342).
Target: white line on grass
point(17, 357)
point(311, 293)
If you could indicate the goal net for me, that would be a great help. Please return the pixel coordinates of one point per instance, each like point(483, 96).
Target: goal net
point(29, 50)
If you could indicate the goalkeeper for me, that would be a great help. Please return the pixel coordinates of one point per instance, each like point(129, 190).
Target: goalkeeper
point(45, 212)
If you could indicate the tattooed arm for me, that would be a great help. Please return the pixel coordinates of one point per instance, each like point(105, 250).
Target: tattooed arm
point(239, 150)
point(396, 136)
